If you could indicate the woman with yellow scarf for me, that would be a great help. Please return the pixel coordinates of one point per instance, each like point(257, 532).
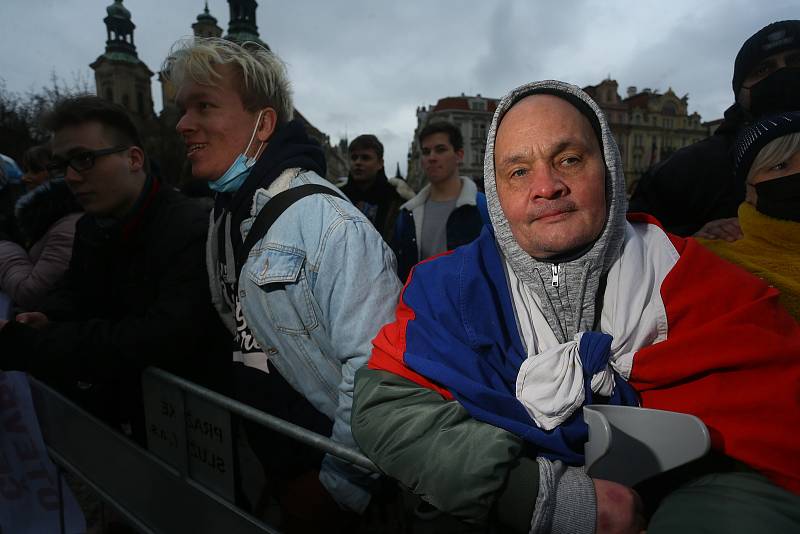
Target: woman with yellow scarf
point(767, 160)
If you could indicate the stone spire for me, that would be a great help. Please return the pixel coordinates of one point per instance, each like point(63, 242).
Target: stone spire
point(206, 25)
point(242, 26)
point(120, 76)
point(119, 29)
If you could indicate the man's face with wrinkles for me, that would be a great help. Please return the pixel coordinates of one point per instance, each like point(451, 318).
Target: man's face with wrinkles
point(550, 176)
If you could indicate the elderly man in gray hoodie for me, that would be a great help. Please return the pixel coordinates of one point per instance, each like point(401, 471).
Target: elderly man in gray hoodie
point(473, 397)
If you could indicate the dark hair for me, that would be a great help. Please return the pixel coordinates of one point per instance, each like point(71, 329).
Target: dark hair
point(453, 133)
point(36, 158)
point(367, 142)
point(89, 108)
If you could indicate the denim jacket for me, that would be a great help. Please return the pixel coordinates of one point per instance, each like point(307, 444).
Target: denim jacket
point(314, 291)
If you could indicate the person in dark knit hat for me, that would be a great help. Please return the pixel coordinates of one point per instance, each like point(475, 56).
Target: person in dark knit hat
point(694, 191)
point(767, 160)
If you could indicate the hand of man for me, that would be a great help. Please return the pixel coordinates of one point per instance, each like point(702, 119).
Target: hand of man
point(727, 229)
point(619, 509)
point(33, 319)
point(2, 323)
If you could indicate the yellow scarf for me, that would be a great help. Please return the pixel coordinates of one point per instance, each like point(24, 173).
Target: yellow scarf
point(770, 249)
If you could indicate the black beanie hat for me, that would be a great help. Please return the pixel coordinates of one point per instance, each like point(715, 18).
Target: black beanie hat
point(758, 135)
point(769, 40)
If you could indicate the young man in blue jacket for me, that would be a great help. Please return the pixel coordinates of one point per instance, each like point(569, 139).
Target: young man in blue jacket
point(305, 302)
point(444, 215)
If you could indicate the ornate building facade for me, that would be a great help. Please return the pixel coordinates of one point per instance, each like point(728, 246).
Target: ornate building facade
point(647, 125)
point(472, 115)
point(120, 76)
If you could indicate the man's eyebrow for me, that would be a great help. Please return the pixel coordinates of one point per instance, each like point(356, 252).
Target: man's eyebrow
point(71, 151)
point(517, 157)
point(525, 155)
point(765, 63)
point(198, 94)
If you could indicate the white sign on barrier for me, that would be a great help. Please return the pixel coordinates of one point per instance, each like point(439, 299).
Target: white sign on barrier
point(191, 434)
point(166, 430)
point(210, 447)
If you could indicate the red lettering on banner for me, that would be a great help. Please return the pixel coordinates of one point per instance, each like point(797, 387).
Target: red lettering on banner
point(11, 488)
point(13, 423)
point(26, 453)
point(7, 397)
point(5, 465)
point(48, 498)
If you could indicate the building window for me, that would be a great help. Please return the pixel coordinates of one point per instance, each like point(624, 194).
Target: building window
point(140, 102)
point(477, 105)
point(109, 94)
point(126, 102)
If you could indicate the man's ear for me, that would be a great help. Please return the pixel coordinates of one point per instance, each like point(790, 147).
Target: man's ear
point(267, 125)
point(460, 155)
point(137, 159)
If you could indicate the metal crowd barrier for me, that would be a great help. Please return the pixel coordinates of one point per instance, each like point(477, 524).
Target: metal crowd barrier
point(184, 482)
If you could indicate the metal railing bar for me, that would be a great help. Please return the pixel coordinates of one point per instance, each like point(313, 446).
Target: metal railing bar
point(277, 424)
point(66, 464)
point(169, 470)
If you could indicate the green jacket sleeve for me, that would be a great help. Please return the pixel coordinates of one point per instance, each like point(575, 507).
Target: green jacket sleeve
point(433, 447)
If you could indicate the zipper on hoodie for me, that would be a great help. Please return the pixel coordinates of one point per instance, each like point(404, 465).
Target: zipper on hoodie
point(556, 270)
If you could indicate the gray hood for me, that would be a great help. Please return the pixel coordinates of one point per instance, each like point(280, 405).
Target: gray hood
point(570, 305)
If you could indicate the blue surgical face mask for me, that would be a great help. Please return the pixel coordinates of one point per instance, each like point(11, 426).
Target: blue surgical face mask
point(239, 170)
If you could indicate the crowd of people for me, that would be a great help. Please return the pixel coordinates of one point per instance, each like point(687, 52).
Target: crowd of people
point(453, 335)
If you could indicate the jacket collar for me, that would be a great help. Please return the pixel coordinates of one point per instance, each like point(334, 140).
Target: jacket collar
point(466, 197)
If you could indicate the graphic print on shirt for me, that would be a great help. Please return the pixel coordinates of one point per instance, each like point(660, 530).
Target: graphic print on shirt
point(245, 347)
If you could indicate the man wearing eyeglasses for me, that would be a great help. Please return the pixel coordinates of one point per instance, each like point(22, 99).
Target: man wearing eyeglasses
point(136, 292)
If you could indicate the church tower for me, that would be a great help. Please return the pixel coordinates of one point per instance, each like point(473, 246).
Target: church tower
point(120, 76)
point(242, 25)
point(206, 25)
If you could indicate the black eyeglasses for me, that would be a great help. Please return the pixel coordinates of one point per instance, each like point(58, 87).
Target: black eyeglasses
point(81, 161)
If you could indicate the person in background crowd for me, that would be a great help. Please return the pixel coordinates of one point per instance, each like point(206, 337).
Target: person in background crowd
point(445, 214)
point(46, 218)
point(306, 300)
point(695, 191)
point(378, 197)
point(34, 166)
point(767, 160)
point(11, 189)
point(473, 396)
point(135, 293)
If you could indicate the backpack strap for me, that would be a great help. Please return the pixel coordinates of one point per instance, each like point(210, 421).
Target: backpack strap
point(273, 209)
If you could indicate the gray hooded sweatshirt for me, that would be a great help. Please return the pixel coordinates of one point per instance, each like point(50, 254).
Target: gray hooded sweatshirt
point(566, 293)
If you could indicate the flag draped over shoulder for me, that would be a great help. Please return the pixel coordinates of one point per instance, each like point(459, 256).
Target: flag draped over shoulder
point(731, 355)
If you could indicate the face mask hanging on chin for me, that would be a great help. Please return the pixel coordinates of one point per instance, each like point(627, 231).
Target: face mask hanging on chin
point(239, 170)
point(780, 198)
point(780, 91)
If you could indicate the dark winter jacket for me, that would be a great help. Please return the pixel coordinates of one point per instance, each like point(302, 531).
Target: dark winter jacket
point(381, 202)
point(46, 220)
point(696, 184)
point(463, 225)
point(135, 294)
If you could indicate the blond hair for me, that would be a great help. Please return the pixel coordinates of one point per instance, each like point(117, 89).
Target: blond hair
point(263, 78)
point(776, 151)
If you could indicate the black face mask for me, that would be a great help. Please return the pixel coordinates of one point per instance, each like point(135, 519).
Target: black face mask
point(780, 91)
point(780, 198)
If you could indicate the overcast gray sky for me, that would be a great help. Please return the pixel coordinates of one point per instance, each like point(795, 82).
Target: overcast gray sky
point(361, 66)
